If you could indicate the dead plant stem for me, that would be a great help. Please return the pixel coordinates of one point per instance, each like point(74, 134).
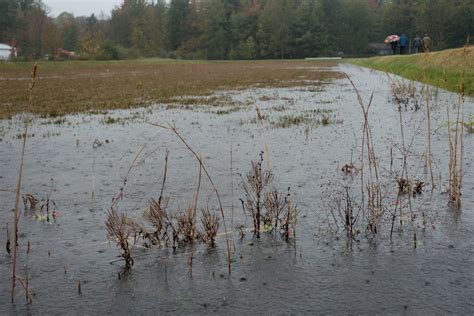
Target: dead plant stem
point(164, 177)
point(196, 199)
point(232, 187)
point(18, 187)
point(429, 154)
point(173, 129)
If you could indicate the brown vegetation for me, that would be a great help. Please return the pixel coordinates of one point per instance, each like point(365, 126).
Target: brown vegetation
point(71, 87)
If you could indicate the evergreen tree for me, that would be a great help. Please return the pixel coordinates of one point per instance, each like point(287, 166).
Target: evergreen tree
point(68, 31)
point(8, 20)
point(355, 30)
point(332, 13)
point(243, 30)
point(309, 36)
point(274, 28)
point(214, 29)
point(247, 29)
point(178, 12)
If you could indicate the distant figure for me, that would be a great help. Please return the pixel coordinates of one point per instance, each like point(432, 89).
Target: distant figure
point(417, 43)
point(403, 43)
point(427, 43)
point(394, 46)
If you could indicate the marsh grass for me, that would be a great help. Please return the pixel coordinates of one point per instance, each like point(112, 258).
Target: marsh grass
point(371, 189)
point(469, 124)
point(173, 130)
point(212, 101)
point(311, 118)
point(257, 180)
point(456, 153)
point(227, 111)
point(72, 87)
point(119, 230)
point(456, 137)
point(210, 223)
point(270, 209)
point(348, 212)
point(121, 227)
point(404, 94)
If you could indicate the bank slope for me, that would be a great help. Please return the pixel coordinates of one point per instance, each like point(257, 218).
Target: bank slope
point(442, 69)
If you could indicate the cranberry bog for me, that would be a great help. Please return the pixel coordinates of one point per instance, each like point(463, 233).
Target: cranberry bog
point(336, 190)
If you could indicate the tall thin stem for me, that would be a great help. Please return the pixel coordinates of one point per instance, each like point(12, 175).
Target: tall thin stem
point(428, 154)
point(18, 186)
point(221, 208)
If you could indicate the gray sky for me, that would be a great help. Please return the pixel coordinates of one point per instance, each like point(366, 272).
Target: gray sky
point(81, 7)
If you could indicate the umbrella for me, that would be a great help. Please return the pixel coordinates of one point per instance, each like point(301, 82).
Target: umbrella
point(392, 38)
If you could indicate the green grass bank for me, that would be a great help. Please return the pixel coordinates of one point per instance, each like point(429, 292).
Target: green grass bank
point(443, 69)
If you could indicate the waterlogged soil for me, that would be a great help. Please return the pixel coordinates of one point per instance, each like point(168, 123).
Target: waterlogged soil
point(80, 162)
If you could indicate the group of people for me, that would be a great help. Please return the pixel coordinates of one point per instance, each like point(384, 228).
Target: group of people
point(419, 44)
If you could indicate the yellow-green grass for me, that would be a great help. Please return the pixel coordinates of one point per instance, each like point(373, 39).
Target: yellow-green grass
point(79, 86)
point(442, 69)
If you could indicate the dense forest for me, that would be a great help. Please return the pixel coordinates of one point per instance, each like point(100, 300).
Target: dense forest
point(232, 29)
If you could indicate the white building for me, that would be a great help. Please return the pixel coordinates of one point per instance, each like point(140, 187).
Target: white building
point(7, 51)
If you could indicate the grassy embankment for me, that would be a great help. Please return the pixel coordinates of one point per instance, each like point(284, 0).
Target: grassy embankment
point(442, 69)
point(80, 86)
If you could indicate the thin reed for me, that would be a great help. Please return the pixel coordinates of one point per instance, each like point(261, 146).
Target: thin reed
point(26, 122)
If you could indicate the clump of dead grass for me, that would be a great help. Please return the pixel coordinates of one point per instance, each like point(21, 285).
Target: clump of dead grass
point(270, 209)
point(119, 229)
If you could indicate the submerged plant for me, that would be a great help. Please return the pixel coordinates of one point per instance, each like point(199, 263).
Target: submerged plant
point(257, 180)
point(210, 222)
point(275, 204)
point(186, 224)
point(413, 187)
point(30, 201)
point(166, 227)
point(269, 208)
point(289, 221)
point(346, 207)
point(120, 230)
point(456, 144)
point(469, 124)
point(370, 186)
point(404, 94)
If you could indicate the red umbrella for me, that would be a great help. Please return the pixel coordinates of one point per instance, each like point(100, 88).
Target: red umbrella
point(392, 38)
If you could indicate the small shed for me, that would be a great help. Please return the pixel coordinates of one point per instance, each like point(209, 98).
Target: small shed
point(7, 52)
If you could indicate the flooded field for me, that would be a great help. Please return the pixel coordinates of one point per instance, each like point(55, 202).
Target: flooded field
point(416, 261)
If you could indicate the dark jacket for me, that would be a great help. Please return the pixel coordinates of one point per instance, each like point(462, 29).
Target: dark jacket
point(417, 41)
point(403, 40)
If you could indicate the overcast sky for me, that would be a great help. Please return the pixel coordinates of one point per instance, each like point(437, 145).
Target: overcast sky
point(81, 7)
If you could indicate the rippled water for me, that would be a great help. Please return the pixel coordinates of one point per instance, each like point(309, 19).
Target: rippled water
point(317, 276)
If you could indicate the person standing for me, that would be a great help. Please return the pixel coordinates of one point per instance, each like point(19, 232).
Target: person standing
point(417, 43)
point(394, 46)
point(427, 43)
point(403, 43)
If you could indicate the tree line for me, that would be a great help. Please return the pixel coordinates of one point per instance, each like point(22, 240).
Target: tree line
point(232, 29)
